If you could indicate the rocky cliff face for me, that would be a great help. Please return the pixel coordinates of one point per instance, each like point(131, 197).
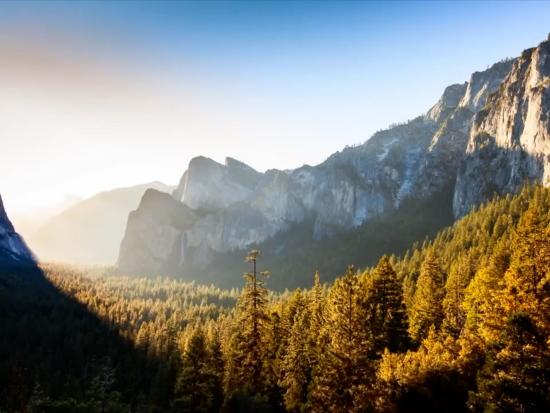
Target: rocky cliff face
point(497, 120)
point(509, 143)
point(154, 233)
point(13, 250)
point(208, 185)
point(90, 231)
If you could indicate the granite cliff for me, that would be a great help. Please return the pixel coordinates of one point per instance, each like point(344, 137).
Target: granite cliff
point(485, 136)
point(13, 250)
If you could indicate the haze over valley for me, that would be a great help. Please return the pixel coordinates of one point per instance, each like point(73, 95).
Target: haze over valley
point(275, 207)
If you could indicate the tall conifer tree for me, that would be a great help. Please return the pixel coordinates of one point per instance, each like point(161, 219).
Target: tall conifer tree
point(248, 343)
point(343, 384)
point(195, 386)
point(386, 316)
point(427, 302)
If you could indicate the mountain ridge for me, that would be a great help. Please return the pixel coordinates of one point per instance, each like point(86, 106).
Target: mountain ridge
point(14, 252)
point(90, 231)
point(422, 158)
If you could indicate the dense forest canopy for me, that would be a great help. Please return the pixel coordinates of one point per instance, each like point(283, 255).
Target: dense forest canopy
point(459, 323)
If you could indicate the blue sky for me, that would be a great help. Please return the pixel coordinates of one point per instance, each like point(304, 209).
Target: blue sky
point(275, 84)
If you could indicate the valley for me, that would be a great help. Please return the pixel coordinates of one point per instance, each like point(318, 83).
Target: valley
point(427, 326)
point(407, 273)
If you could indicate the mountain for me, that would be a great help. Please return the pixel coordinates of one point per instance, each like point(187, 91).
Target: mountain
point(13, 250)
point(483, 137)
point(28, 222)
point(510, 139)
point(90, 231)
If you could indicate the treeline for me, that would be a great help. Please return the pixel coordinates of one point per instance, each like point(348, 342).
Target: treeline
point(460, 323)
point(79, 340)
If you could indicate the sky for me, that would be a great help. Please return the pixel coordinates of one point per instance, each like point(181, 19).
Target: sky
point(99, 95)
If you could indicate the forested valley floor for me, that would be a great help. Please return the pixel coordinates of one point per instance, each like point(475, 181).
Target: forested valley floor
point(460, 323)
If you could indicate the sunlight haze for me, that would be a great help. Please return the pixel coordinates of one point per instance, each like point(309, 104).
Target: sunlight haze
point(129, 95)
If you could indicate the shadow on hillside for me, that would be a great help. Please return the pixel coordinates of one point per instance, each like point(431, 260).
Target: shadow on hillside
point(53, 346)
point(293, 256)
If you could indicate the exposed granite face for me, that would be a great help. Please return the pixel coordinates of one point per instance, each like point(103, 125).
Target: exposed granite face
point(460, 140)
point(509, 143)
point(482, 84)
point(102, 218)
point(13, 250)
point(209, 185)
point(154, 233)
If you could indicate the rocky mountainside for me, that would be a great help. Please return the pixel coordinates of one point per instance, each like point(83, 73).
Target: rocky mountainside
point(90, 231)
point(482, 137)
point(13, 250)
point(510, 139)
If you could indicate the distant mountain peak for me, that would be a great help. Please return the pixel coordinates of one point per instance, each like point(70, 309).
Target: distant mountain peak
point(90, 231)
point(13, 250)
point(5, 223)
point(485, 136)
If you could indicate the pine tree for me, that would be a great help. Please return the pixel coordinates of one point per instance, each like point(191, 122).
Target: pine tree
point(296, 303)
point(424, 380)
point(484, 313)
point(343, 385)
point(515, 323)
point(386, 317)
point(215, 369)
point(271, 374)
point(516, 375)
point(528, 278)
point(427, 302)
point(248, 343)
point(316, 310)
point(296, 364)
point(195, 384)
point(102, 391)
point(316, 302)
point(460, 274)
point(143, 338)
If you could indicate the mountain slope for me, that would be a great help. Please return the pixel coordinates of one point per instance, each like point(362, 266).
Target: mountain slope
point(91, 230)
point(409, 164)
point(510, 139)
point(13, 250)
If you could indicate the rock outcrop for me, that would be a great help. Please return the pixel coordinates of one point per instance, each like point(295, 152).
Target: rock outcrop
point(154, 233)
point(90, 231)
point(486, 135)
point(510, 139)
point(13, 250)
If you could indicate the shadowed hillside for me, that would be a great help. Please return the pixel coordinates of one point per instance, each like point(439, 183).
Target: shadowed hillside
point(56, 356)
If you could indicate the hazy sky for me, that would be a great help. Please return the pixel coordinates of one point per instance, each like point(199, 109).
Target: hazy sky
point(95, 96)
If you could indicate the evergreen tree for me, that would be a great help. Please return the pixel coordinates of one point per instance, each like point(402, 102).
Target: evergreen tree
point(272, 362)
point(516, 375)
point(316, 303)
point(296, 365)
point(248, 344)
point(484, 313)
point(102, 392)
point(386, 317)
point(215, 369)
point(426, 308)
point(460, 274)
point(343, 384)
point(195, 386)
point(425, 380)
point(528, 278)
point(316, 310)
